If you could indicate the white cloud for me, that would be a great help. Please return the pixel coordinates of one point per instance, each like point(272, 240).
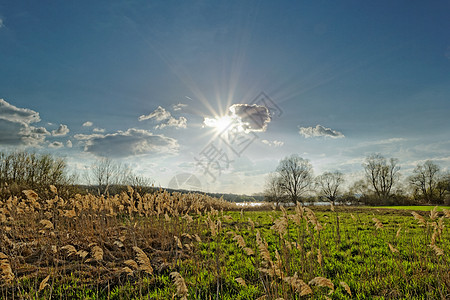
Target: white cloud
point(16, 128)
point(128, 143)
point(88, 124)
point(32, 136)
point(158, 114)
point(1, 23)
point(98, 130)
point(179, 106)
point(69, 144)
point(274, 143)
point(61, 131)
point(56, 145)
point(319, 131)
point(172, 122)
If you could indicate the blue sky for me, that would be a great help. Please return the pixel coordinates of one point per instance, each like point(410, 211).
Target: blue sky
point(135, 80)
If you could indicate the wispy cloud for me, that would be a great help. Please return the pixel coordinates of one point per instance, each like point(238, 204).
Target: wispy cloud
point(179, 106)
point(1, 23)
point(396, 147)
point(88, 124)
point(61, 131)
point(384, 142)
point(274, 143)
point(128, 143)
point(320, 131)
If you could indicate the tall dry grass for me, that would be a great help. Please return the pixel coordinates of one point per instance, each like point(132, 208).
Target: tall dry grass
point(103, 241)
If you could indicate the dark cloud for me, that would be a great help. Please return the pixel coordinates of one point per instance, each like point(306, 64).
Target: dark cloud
point(253, 117)
point(10, 133)
point(18, 115)
point(128, 143)
point(56, 145)
point(16, 128)
point(319, 131)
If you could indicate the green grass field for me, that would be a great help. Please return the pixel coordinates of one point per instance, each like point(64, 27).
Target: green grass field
point(179, 247)
point(417, 207)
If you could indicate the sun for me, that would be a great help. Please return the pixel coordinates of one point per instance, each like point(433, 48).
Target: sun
point(223, 123)
point(219, 124)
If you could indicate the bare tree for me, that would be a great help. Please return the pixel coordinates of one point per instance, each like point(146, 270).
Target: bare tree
point(296, 176)
point(329, 184)
point(381, 174)
point(273, 191)
point(138, 182)
point(329, 187)
point(32, 171)
point(105, 173)
point(359, 188)
point(425, 180)
point(111, 176)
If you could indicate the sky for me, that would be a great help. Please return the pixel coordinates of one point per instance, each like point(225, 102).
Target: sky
point(213, 94)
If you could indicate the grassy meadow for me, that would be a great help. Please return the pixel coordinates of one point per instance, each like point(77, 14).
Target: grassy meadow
point(191, 246)
point(416, 207)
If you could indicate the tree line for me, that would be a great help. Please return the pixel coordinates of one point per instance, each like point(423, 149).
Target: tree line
point(293, 181)
point(21, 170)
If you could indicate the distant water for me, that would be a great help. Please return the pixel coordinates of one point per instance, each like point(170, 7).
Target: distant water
point(252, 204)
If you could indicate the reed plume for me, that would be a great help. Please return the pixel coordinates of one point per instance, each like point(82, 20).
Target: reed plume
point(182, 290)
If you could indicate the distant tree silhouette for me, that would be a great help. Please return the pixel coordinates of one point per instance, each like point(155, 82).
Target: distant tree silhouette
point(381, 175)
point(425, 181)
point(296, 176)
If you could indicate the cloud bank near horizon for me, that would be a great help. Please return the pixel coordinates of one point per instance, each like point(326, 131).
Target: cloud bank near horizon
point(127, 143)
